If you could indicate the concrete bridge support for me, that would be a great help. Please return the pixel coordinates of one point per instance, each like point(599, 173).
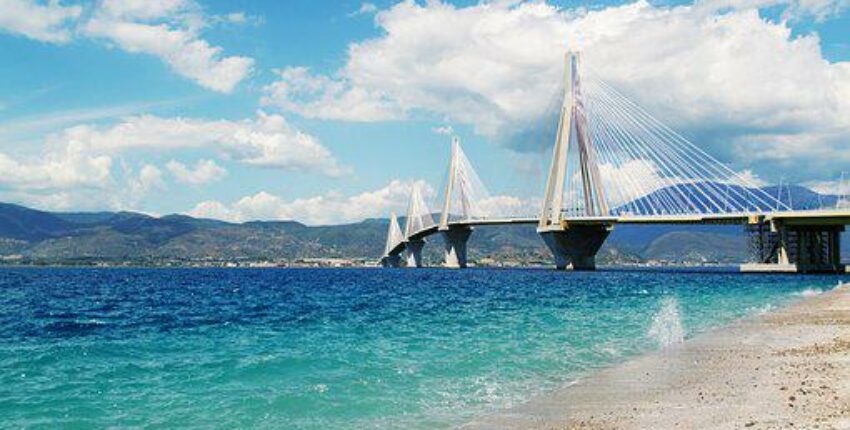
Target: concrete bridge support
point(413, 252)
point(391, 261)
point(795, 248)
point(576, 246)
point(455, 239)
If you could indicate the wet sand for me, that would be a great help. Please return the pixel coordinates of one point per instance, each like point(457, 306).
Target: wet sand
point(786, 369)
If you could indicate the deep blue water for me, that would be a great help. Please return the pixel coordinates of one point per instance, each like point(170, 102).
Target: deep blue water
point(334, 349)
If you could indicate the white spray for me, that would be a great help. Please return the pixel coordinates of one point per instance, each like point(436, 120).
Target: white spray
point(666, 328)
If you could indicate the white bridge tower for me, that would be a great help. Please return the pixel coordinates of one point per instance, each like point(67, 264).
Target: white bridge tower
point(574, 160)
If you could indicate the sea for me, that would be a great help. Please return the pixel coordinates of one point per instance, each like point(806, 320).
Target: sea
point(338, 348)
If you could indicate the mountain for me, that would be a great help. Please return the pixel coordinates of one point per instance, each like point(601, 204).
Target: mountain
point(33, 236)
point(801, 198)
point(707, 196)
point(18, 222)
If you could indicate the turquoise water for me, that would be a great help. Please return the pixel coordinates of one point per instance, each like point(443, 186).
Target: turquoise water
point(335, 349)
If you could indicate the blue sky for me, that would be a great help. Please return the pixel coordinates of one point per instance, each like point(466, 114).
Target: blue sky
point(327, 111)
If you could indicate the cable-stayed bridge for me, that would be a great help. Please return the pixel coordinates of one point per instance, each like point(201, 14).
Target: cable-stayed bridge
point(614, 163)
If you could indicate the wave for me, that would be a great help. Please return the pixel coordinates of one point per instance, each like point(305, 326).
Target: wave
point(666, 328)
point(761, 310)
point(76, 327)
point(809, 292)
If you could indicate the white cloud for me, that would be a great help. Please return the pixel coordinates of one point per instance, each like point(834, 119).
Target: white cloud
point(334, 208)
point(365, 9)
point(77, 165)
point(65, 178)
point(68, 168)
point(751, 179)
point(144, 9)
point(331, 208)
point(475, 65)
point(48, 22)
point(444, 130)
point(297, 90)
point(264, 141)
point(838, 187)
point(236, 18)
point(214, 209)
point(503, 206)
point(74, 178)
point(138, 187)
point(24, 127)
point(793, 9)
point(169, 29)
point(204, 172)
point(711, 67)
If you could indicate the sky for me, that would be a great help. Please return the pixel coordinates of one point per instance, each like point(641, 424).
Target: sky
point(328, 112)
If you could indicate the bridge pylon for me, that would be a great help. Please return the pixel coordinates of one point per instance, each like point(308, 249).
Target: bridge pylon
point(574, 245)
point(419, 221)
point(460, 191)
point(392, 252)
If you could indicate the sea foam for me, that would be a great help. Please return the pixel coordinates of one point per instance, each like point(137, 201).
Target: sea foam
point(809, 292)
point(666, 328)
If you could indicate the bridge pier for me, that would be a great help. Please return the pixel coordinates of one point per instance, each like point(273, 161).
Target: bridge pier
point(455, 240)
point(391, 261)
point(795, 248)
point(413, 252)
point(576, 246)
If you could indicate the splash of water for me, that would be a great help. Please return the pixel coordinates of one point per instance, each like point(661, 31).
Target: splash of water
point(666, 328)
point(809, 292)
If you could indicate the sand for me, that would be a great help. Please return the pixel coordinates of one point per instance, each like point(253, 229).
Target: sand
point(786, 369)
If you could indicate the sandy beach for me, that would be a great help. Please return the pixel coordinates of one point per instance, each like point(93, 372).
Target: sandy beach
point(789, 368)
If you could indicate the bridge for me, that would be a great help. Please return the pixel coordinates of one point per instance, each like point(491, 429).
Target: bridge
point(614, 163)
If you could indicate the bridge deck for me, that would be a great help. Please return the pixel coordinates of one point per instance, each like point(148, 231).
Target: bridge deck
point(801, 217)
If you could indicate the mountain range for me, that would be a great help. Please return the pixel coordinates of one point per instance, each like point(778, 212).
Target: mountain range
point(30, 236)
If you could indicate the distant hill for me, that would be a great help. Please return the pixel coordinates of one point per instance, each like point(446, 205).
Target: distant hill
point(705, 195)
point(33, 236)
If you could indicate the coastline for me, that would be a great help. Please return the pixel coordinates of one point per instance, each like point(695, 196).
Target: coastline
point(787, 368)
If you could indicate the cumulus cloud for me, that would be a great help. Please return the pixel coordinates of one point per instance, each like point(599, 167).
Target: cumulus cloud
point(751, 179)
point(77, 165)
point(204, 172)
point(70, 167)
point(138, 186)
point(335, 208)
point(264, 141)
point(47, 22)
point(169, 29)
point(743, 86)
point(331, 208)
point(61, 178)
point(837, 187)
point(315, 96)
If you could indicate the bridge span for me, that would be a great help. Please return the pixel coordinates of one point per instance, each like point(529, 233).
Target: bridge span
point(613, 163)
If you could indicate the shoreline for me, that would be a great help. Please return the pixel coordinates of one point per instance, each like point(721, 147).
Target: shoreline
point(787, 368)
